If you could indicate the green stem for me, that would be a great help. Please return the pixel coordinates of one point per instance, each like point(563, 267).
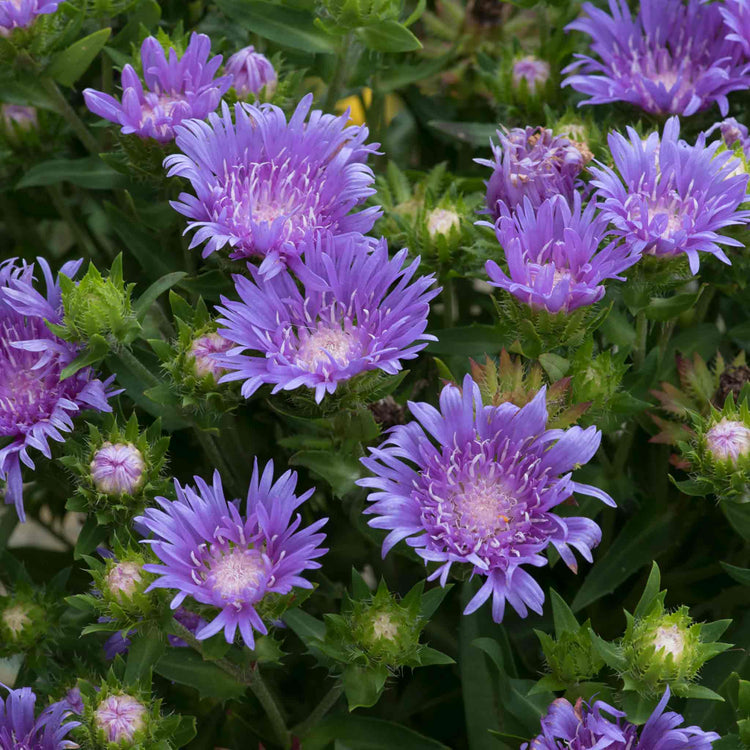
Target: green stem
point(641, 338)
point(449, 302)
point(249, 676)
point(217, 458)
point(326, 704)
point(339, 74)
point(69, 115)
point(81, 236)
point(133, 362)
point(623, 451)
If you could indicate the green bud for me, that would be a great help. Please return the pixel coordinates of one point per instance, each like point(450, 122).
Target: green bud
point(571, 657)
point(342, 16)
point(23, 622)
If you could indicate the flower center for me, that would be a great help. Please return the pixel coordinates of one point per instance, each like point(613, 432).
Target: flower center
point(236, 574)
point(327, 346)
point(120, 716)
point(673, 219)
point(484, 508)
point(441, 221)
point(15, 619)
point(384, 627)
point(670, 640)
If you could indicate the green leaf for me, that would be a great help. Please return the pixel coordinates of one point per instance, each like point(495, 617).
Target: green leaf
point(388, 36)
point(555, 366)
point(471, 341)
point(308, 628)
point(650, 592)
point(144, 246)
point(637, 707)
point(289, 27)
point(69, 65)
point(145, 650)
point(156, 289)
point(95, 352)
point(611, 653)
point(635, 546)
point(564, 619)
point(739, 517)
point(693, 487)
point(666, 308)
point(188, 668)
point(429, 656)
point(355, 732)
point(475, 133)
point(340, 471)
point(363, 686)
point(741, 575)
point(92, 534)
point(432, 599)
point(90, 172)
point(699, 691)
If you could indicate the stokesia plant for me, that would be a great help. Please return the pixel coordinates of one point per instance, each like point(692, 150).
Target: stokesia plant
point(373, 375)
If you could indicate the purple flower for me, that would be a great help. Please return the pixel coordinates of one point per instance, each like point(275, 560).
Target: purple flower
point(17, 14)
point(251, 71)
point(18, 116)
point(478, 484)
point(177, 89)
point(264, 185)
point(117, 469)
point(35, 405)
point(203, 350)
point(120, 717)
point(671, 58)
point(553, 257)
point(581, 726)
point(532, 70)
point(117, 643)
point(670, 197)
point(728, 440)
point(736, 15)
point(20, 730)
point(224, 558)
point(353, 310)
point(190, 620)
point(530, 163)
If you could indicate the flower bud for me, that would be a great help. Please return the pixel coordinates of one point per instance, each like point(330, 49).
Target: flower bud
point(572, 657)
point(120, 717)
point(15, 619)
point(532, 70)
point(442, 221)
point(18, 117)
point(387, 631)
point(124, 579)
point(118, 469)
point(728, 440)
point(202, 350)
point(251, 72)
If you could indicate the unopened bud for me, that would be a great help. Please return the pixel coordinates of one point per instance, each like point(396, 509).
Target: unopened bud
point(120, 717)
point(728, 440)
point(251, 72)
point(442, 221)
point(124, 579)
point(532, 70)
point(203, 350)
point(118, 469)
point(18, 117)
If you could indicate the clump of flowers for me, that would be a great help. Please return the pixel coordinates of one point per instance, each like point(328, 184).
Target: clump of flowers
point(530, 163)
point(476, 485)
point(583, 726)
point(252, 73)
point(237, 562)
point(20, 729)
point(264, 185)
point(36, 403)
point(355, 311)
point(553, 254)
point(670, 58)
point(672, 198)
point(20, 14)
point(177, 88)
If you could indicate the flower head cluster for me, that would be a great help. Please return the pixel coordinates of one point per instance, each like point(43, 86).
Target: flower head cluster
point(530, 163)
point(582, 726)
point(221, 556)
point(736, 15)
point(478, 485)
point(177, 89)
point(357, 310)
point(264, 185)
point(251, 72)
point(553, 254)
point(671, 58)
point(19, 14)
point(35, 405)
point(20, 730)
point(670, 197)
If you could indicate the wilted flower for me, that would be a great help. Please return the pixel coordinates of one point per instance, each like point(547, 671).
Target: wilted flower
point(671, 58)
point(728, 439)
point(203, 351)
point(357, 310)
point(670, 197)
point(530, 163)
point(224, 558)
point(177, 89)
point(264, 185)
point(736, 15)
point(18, 14)
point(251, 71)
point(19, 730)
point(582, 726)
point(35, 405)
point(18, 116)
point(120, 717)
point(117, 469)
point(532, 70)
point(482, 491)
point(553, 254)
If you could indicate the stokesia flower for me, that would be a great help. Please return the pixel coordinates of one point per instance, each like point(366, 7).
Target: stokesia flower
point(120, 717)
point(532, 70)
point(251, 72)
point(530, 163)
point(17, 116)
point(670, 197)
point(736, 15)
point(583, 726)
point(478, 485)
point(118, 469)
point(20, 730)
point(671, 58)
point(356, 310)
point(553, 257)
point(264, 185)
point(19, 14)
point(231, 558)
point(35, 405)
point(728, 440)
point(177, 89)
point(203, 352)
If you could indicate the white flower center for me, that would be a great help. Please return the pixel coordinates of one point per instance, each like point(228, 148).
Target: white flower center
point(325, 344)
point(485, 508)
point(15, 619)
point(441, 221)
point(236, 573)
point(670, 640)
point(124, 578)
point(384, 627)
